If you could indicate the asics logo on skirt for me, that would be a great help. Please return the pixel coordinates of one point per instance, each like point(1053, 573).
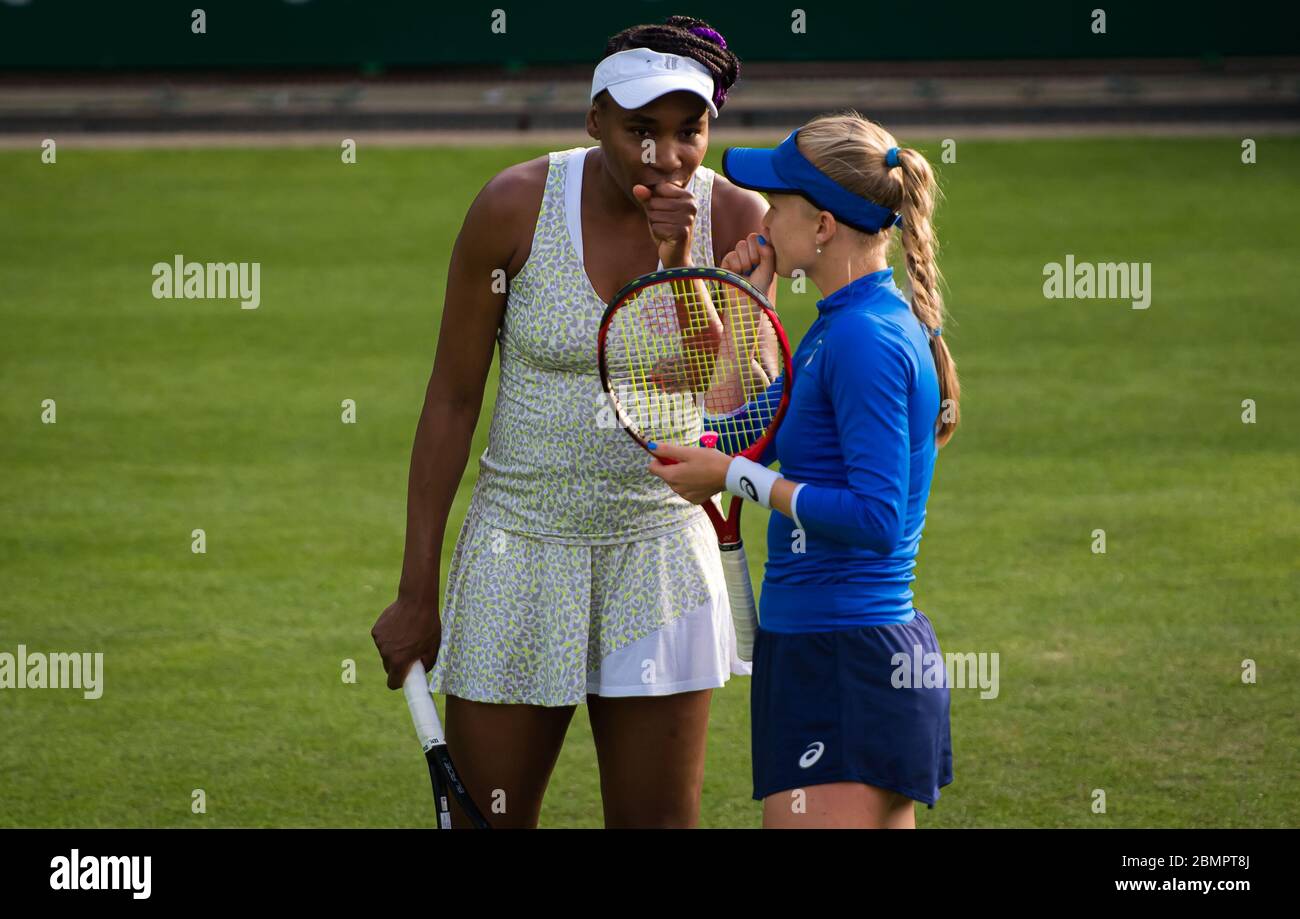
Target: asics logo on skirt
point(813, 754)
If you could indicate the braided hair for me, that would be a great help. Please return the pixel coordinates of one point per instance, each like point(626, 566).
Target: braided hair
point(689, 37)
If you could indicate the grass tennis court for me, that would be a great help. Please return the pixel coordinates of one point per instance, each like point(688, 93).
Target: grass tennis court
point(1118, 672)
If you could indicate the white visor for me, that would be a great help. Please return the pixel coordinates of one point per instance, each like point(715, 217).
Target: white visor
point(638, 75)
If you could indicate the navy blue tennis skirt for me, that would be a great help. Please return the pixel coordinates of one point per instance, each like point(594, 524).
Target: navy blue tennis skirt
point(825, 707)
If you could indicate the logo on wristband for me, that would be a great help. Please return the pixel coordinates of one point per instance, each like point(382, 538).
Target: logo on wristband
point(749, 488)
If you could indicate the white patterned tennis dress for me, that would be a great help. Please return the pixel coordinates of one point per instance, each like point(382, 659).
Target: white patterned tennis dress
point(576, 571)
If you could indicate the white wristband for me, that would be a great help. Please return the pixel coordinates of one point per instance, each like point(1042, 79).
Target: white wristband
point(794, 505)
point(751, 480)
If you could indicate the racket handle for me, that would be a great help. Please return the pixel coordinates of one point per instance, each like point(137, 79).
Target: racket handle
point(740, 591)
point(428, 728)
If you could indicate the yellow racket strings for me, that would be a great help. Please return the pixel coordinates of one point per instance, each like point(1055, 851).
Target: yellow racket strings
point(683, 358)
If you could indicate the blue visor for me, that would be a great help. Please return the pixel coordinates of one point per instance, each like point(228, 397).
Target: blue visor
point(786, 170)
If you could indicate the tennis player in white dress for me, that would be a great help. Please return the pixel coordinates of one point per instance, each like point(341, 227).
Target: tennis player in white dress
point(575, 578)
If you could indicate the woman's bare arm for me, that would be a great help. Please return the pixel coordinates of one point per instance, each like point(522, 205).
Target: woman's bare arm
point(410, 628)
point(749, 353)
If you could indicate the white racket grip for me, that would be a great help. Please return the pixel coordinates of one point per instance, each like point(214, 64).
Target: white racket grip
point(420, 701)
point(740, 591)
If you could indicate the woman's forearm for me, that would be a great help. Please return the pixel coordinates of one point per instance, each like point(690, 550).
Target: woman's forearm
point(438, 458)
point(782, 493)
point(740, 373)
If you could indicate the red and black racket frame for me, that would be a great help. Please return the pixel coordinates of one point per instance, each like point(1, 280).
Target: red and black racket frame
point(728, 527)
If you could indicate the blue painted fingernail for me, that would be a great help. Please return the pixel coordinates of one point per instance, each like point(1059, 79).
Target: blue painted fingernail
point(652, 445)
point(761, 240)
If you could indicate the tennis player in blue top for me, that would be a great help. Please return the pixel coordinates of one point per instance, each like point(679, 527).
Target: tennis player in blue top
point(845, 734)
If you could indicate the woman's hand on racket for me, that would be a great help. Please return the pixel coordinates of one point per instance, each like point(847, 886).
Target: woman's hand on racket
point(405, 632)
point(670, 210)
point(754, 259)
point(695, 473)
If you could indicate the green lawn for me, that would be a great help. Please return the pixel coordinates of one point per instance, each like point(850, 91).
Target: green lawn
point(1118, 671)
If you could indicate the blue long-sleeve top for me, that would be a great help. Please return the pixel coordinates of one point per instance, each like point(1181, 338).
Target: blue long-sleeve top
point(859, 438)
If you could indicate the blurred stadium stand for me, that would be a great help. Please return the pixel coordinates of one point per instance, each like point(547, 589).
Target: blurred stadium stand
point(94, 66)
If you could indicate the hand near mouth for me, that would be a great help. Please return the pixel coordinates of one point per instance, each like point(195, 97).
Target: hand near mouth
point(670, 210)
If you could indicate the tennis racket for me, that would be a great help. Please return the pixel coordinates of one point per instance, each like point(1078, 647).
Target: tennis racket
point(428, 728)
point(697, 357)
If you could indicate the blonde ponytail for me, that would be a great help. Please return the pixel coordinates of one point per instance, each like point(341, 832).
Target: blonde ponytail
point(919, 249)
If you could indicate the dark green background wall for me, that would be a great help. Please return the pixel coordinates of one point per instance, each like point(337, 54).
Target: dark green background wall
point(373, 35)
